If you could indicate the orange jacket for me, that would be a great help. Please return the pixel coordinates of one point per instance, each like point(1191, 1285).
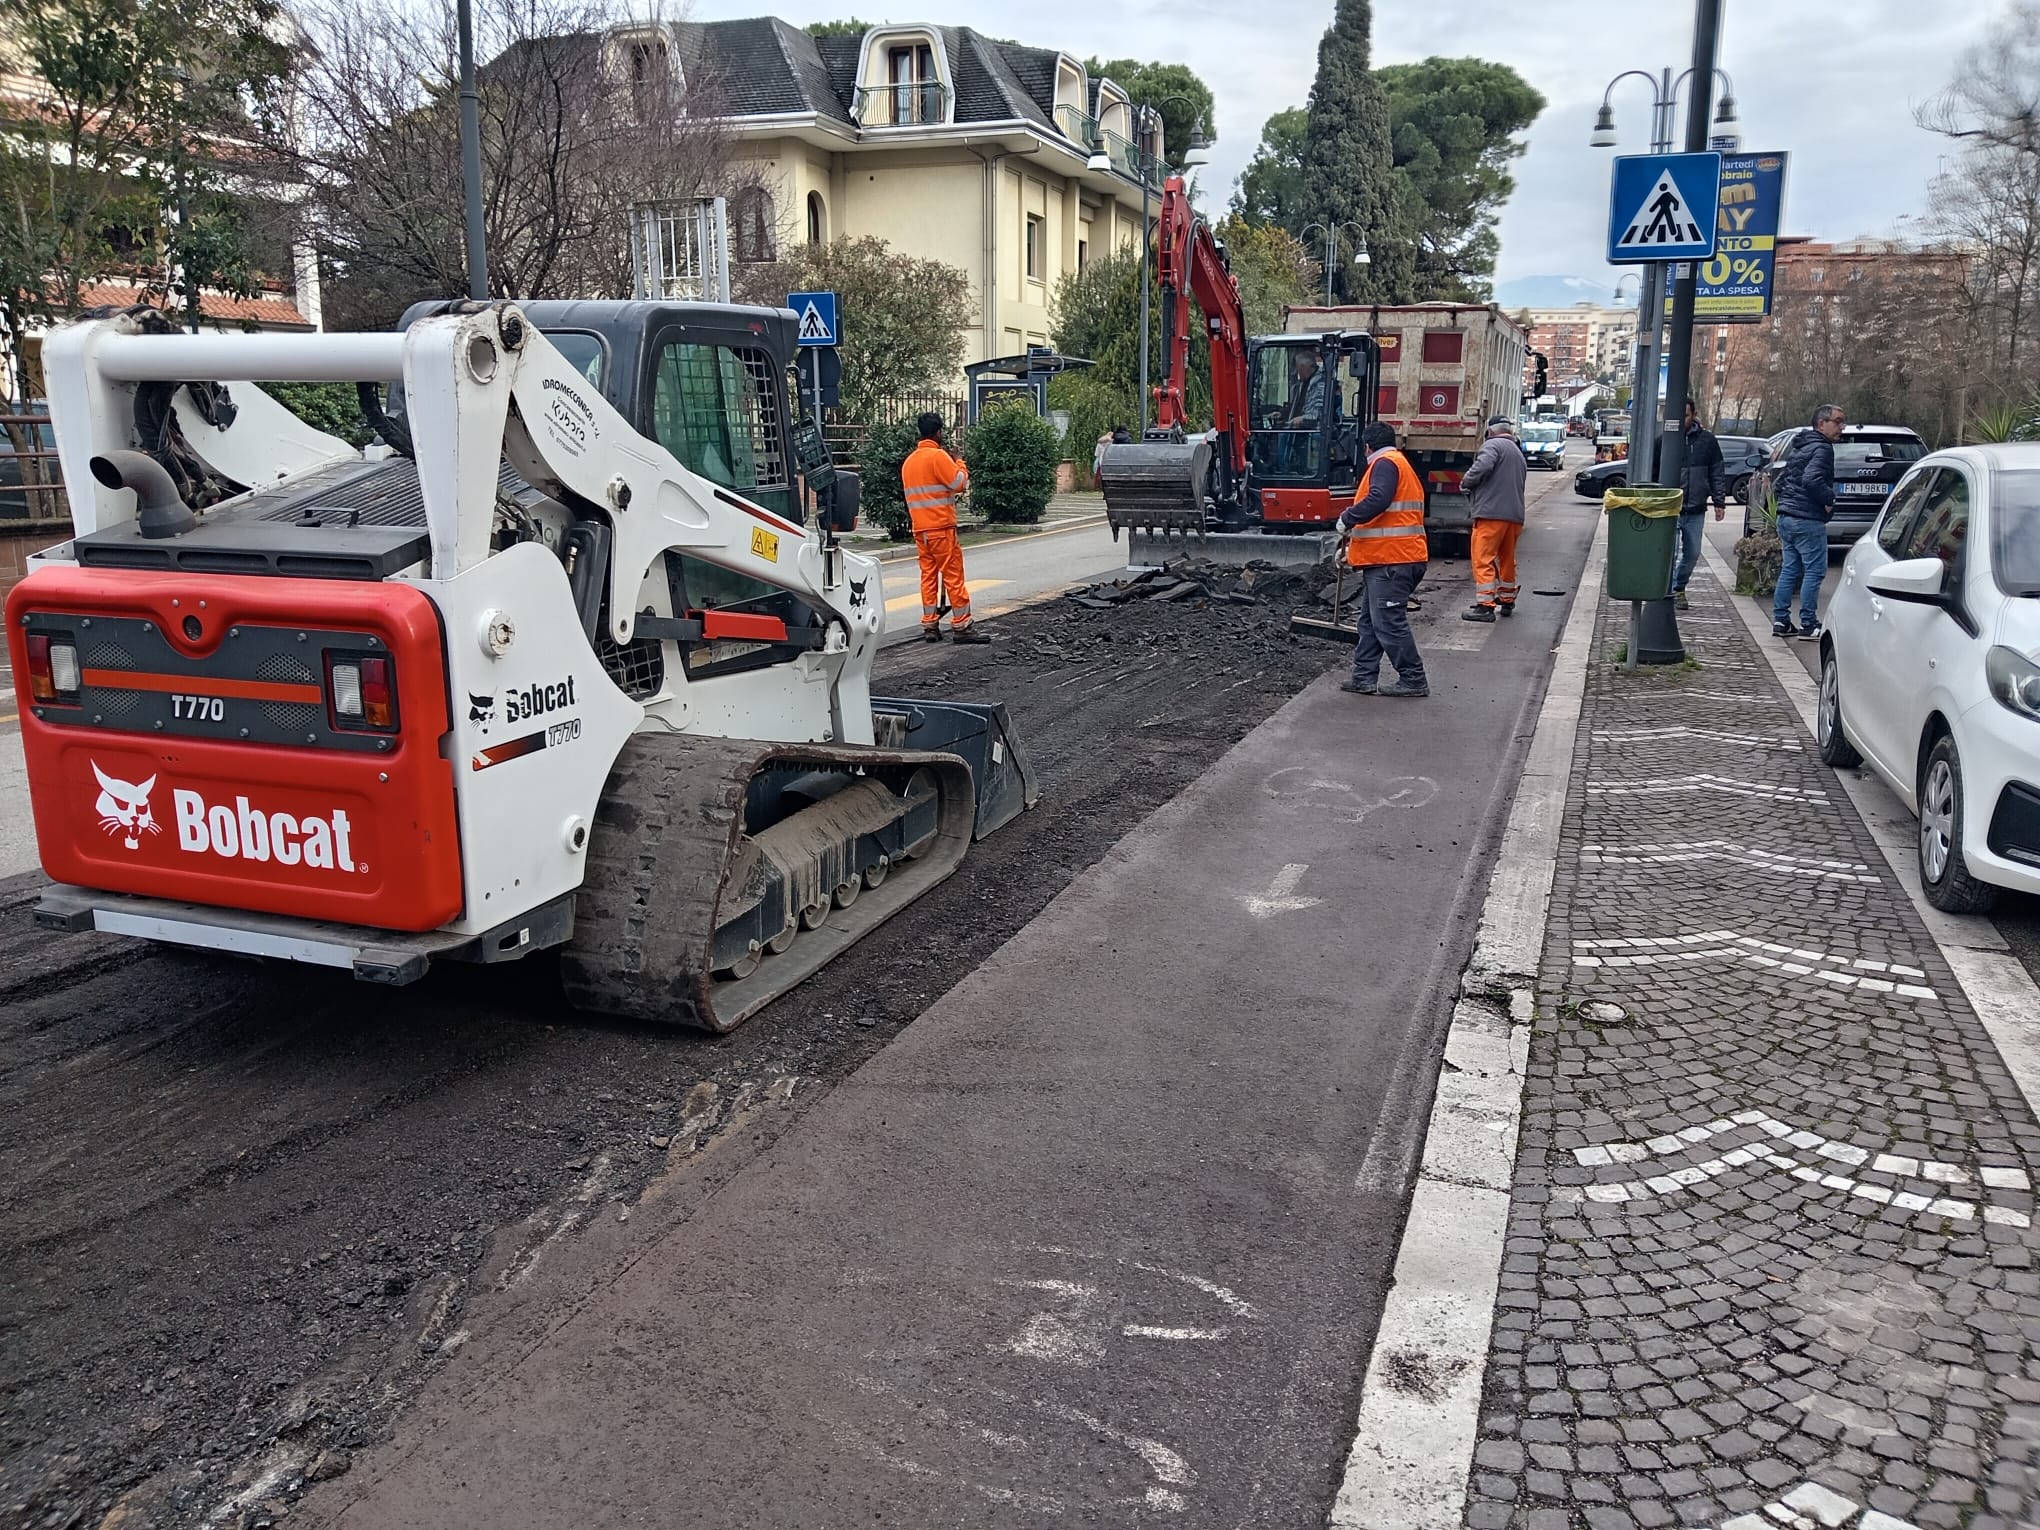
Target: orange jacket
point(933, 479)
point(1395, 535)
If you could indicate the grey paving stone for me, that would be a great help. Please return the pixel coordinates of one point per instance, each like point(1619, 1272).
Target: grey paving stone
point(1702, 1346)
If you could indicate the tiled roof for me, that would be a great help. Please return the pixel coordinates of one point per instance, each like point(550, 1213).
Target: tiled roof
point(273, 311)
point(769, 67)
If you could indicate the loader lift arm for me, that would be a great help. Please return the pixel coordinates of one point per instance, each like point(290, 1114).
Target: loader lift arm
point(1189, 260)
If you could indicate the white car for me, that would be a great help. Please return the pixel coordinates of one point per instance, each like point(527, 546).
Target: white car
point(1930, 667)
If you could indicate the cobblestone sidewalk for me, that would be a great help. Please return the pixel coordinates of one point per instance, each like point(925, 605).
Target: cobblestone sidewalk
point(1770, 1259)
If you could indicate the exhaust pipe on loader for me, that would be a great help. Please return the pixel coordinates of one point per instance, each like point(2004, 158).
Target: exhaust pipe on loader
point(160, 511)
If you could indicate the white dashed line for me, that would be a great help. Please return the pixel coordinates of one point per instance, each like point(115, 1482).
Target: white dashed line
point(1866, 973)
point(1649, 735)
point(1703, 782)
point(1682, 851)
point(1775, 1135)
point(1813, 1507)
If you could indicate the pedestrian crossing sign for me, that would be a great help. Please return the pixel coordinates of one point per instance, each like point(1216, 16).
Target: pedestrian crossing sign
point(817, 314)
point(1663, 207)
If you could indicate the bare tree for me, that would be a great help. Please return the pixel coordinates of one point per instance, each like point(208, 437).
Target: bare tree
point(587, 109)
point(1994, 99)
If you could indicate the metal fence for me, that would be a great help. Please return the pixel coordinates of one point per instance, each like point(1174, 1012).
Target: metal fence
point(681, 250)
point(31, 479)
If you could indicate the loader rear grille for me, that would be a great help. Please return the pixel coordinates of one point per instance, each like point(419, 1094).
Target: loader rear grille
point(289, 715)
point(112, 703)
point(638, 668)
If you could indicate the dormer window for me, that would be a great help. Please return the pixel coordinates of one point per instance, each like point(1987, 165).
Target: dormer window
point(644, 59)
point(910, 76)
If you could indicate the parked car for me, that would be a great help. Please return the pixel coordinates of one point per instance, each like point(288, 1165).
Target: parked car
point(1579, 425)
point(1543, 446)
point(1591, 482)
point(1869, 461)
point(1930, 667)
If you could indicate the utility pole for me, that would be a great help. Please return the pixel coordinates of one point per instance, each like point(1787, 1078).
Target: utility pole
point(471, 154)
point(1706, 41)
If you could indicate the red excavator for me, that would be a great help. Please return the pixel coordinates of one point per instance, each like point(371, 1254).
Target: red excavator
point(1283, 453)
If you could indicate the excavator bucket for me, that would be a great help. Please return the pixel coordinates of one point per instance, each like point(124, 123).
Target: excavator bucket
point(1156, 487)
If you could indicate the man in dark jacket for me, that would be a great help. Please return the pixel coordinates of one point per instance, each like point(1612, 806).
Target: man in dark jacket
point(1805, 487)
point(1494, 483)
point(1705, 477)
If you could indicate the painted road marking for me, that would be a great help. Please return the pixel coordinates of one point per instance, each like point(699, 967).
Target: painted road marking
point(975, 586)
point(1341, 799)
point(1772, 1135)
point(1813, 1507)
point(1280, 897)
point(1841, 970)
point(1681, 851)
point(1704, 782)
point(1645, 735)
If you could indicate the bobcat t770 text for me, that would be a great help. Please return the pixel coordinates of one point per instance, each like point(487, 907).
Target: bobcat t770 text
point(565, 667)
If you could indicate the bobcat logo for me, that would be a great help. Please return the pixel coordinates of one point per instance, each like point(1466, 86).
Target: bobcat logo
point(857, 591)
point(123, 808)
point(481, 709)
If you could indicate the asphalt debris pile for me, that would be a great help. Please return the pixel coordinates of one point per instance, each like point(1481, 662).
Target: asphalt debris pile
point(1193, 579)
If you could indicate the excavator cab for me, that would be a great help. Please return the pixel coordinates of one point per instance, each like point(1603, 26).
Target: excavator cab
point(1310, 395)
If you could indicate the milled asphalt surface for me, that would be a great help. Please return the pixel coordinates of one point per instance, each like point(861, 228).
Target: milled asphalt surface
point(1102, 1236)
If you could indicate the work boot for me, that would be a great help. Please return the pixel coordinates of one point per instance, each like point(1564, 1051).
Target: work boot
point(1359, 687)
point(968, 635)
point(1404, 688)
point(1477, 614)
point(1679, 600)
point(931, 634)
point(1508, 608)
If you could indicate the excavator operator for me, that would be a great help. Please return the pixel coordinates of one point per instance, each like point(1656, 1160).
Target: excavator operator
point(932, 480)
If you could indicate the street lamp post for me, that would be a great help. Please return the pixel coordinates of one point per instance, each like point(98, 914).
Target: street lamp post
point(1650, 307)
point(1360, 255)
point(1144, 116)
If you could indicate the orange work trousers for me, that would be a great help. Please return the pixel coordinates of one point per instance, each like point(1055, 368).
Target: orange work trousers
point(1494, 563)
point(942, 579)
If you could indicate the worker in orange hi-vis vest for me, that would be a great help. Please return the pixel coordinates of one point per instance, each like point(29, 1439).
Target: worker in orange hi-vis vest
point(933, 479)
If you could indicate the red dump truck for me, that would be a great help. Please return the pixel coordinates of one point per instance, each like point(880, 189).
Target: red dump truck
point(1446, 369)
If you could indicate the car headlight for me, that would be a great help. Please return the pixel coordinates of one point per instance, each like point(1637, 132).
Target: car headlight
point(2015, 680)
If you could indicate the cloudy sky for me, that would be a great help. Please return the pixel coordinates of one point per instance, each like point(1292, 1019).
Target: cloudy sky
point(1833, 84)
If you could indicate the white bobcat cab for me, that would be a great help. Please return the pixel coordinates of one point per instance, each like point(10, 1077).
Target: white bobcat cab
point(559, 662)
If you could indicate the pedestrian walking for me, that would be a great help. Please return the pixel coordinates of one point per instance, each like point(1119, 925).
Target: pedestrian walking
point(1384, 538)
point(1494, 483)
point(932, 480)
point(1805, 487)
point(1705, 477)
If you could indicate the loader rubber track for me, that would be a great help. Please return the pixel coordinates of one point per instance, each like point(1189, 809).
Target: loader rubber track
point(669, 831)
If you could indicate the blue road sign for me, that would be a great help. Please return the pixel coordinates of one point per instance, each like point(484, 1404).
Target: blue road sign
point(1663, 207)
point(817, 314)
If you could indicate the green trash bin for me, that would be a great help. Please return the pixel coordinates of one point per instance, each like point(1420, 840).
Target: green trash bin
point(1643, 528)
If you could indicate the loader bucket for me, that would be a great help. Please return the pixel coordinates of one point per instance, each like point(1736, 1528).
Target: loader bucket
point(982, 735)
point(1156, 487)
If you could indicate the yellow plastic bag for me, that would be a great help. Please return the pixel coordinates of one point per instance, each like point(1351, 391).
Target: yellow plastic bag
point(1652, 504)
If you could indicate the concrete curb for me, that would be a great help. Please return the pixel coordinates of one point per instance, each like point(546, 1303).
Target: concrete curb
point(900, 552)
point(1998, 987)
point(1420, 1404)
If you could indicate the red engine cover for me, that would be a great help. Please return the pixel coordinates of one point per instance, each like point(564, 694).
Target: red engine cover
point(344, 834)
point(1299, 506)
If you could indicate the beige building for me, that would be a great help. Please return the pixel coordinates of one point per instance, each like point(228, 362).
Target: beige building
point(1583, 342)
point(947, 144)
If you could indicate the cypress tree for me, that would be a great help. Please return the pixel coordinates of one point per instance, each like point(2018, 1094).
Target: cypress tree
point(1349, 163)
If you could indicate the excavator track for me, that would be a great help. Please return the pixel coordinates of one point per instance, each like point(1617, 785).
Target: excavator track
point(723, 872)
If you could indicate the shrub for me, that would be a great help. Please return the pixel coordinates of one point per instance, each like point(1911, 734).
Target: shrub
point(1094, 408)
point(885, 449)
point(1757, 560)
point(332, 407)
point(1012, 453)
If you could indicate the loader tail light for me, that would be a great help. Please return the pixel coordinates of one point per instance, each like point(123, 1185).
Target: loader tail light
point(361, 693)
point(52, 669)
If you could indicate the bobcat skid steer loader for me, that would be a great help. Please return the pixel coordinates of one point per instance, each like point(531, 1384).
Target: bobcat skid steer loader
point(561, 665)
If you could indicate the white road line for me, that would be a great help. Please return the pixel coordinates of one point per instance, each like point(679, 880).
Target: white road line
point(1649, 735)
point(1997, 985)
point(1702, 781)
point(1866, 973)
point(1420, 1404)
point(1813, 1507)
point(1780, 1135)
point(1681, 852)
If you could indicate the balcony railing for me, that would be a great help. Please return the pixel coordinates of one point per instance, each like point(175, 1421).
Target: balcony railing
point(1131, 160)
point(905, 105)
point(1078, 128)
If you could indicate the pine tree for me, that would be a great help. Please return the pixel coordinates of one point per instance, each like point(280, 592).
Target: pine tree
point(1349, 162)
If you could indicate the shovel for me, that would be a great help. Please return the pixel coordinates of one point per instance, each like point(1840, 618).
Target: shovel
point(1333, 631)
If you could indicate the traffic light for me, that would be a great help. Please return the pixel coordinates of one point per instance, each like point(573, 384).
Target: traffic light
point(1543, 373)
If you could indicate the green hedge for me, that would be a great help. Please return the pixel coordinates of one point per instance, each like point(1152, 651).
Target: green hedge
point(886, 448)
point(1012, 453)
point(332, 407)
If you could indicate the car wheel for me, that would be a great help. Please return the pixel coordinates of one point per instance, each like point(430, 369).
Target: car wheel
point(1943, 872)
point(1835, 748)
